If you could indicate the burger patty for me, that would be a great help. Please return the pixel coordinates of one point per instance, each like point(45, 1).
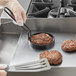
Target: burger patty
point(41, 39)
point(69, 45)
point(54, 57)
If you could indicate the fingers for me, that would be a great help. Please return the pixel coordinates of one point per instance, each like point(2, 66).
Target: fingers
point(1, 68)
point(18, 17)
point(23, 16)
point(3, 73)
point(16, 14)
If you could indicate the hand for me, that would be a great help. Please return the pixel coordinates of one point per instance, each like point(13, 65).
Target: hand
point(2, 72)
point(18, 11)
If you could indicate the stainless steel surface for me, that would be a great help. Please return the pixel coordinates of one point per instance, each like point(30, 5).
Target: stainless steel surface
point(9, 36)
point(52, 72)
point(7, 47)
point(68, 65)
point(53, 25)
point(25, 53)
point(9, 27)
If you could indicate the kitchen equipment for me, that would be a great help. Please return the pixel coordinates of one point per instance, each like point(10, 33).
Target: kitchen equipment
point(57, 10)
point(42, 47)
point(72, 13)
point(53, 13)
point(47, 0)
point(43, 4)
point(50, 45)
point(73, 1)
point(62, 29)
point(43, 8)
point(61, 9)
point(36, 66)
point(41, 13)
point(73, 5)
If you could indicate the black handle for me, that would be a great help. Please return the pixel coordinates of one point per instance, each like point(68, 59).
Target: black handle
point(29, 33)
point(10, 13)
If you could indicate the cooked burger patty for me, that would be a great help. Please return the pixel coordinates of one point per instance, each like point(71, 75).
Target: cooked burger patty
point(54, 57)
point(41, 39)
point(69, 45)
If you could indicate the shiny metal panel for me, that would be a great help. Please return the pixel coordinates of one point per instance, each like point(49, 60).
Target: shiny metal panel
point(7, 47)
point(54, 25)
point(52, 72)
point(9, 36)
point(25, 53)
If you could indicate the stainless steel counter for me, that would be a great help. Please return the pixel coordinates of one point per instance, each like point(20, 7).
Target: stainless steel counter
point(52, 72)
point(7, 47)
point(25, 53)
point(9, 36)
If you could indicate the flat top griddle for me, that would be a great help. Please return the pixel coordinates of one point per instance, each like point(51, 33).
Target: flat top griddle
point(25, 53)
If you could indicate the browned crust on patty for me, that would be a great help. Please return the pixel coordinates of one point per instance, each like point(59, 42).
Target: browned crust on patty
point(69, 45)
point(54, 57)
point(41, 39)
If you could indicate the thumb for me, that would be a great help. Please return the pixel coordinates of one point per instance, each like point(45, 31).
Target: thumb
point(3, 73)
point(23, 16)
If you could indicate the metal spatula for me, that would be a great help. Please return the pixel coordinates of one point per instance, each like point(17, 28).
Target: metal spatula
point(36, 66)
